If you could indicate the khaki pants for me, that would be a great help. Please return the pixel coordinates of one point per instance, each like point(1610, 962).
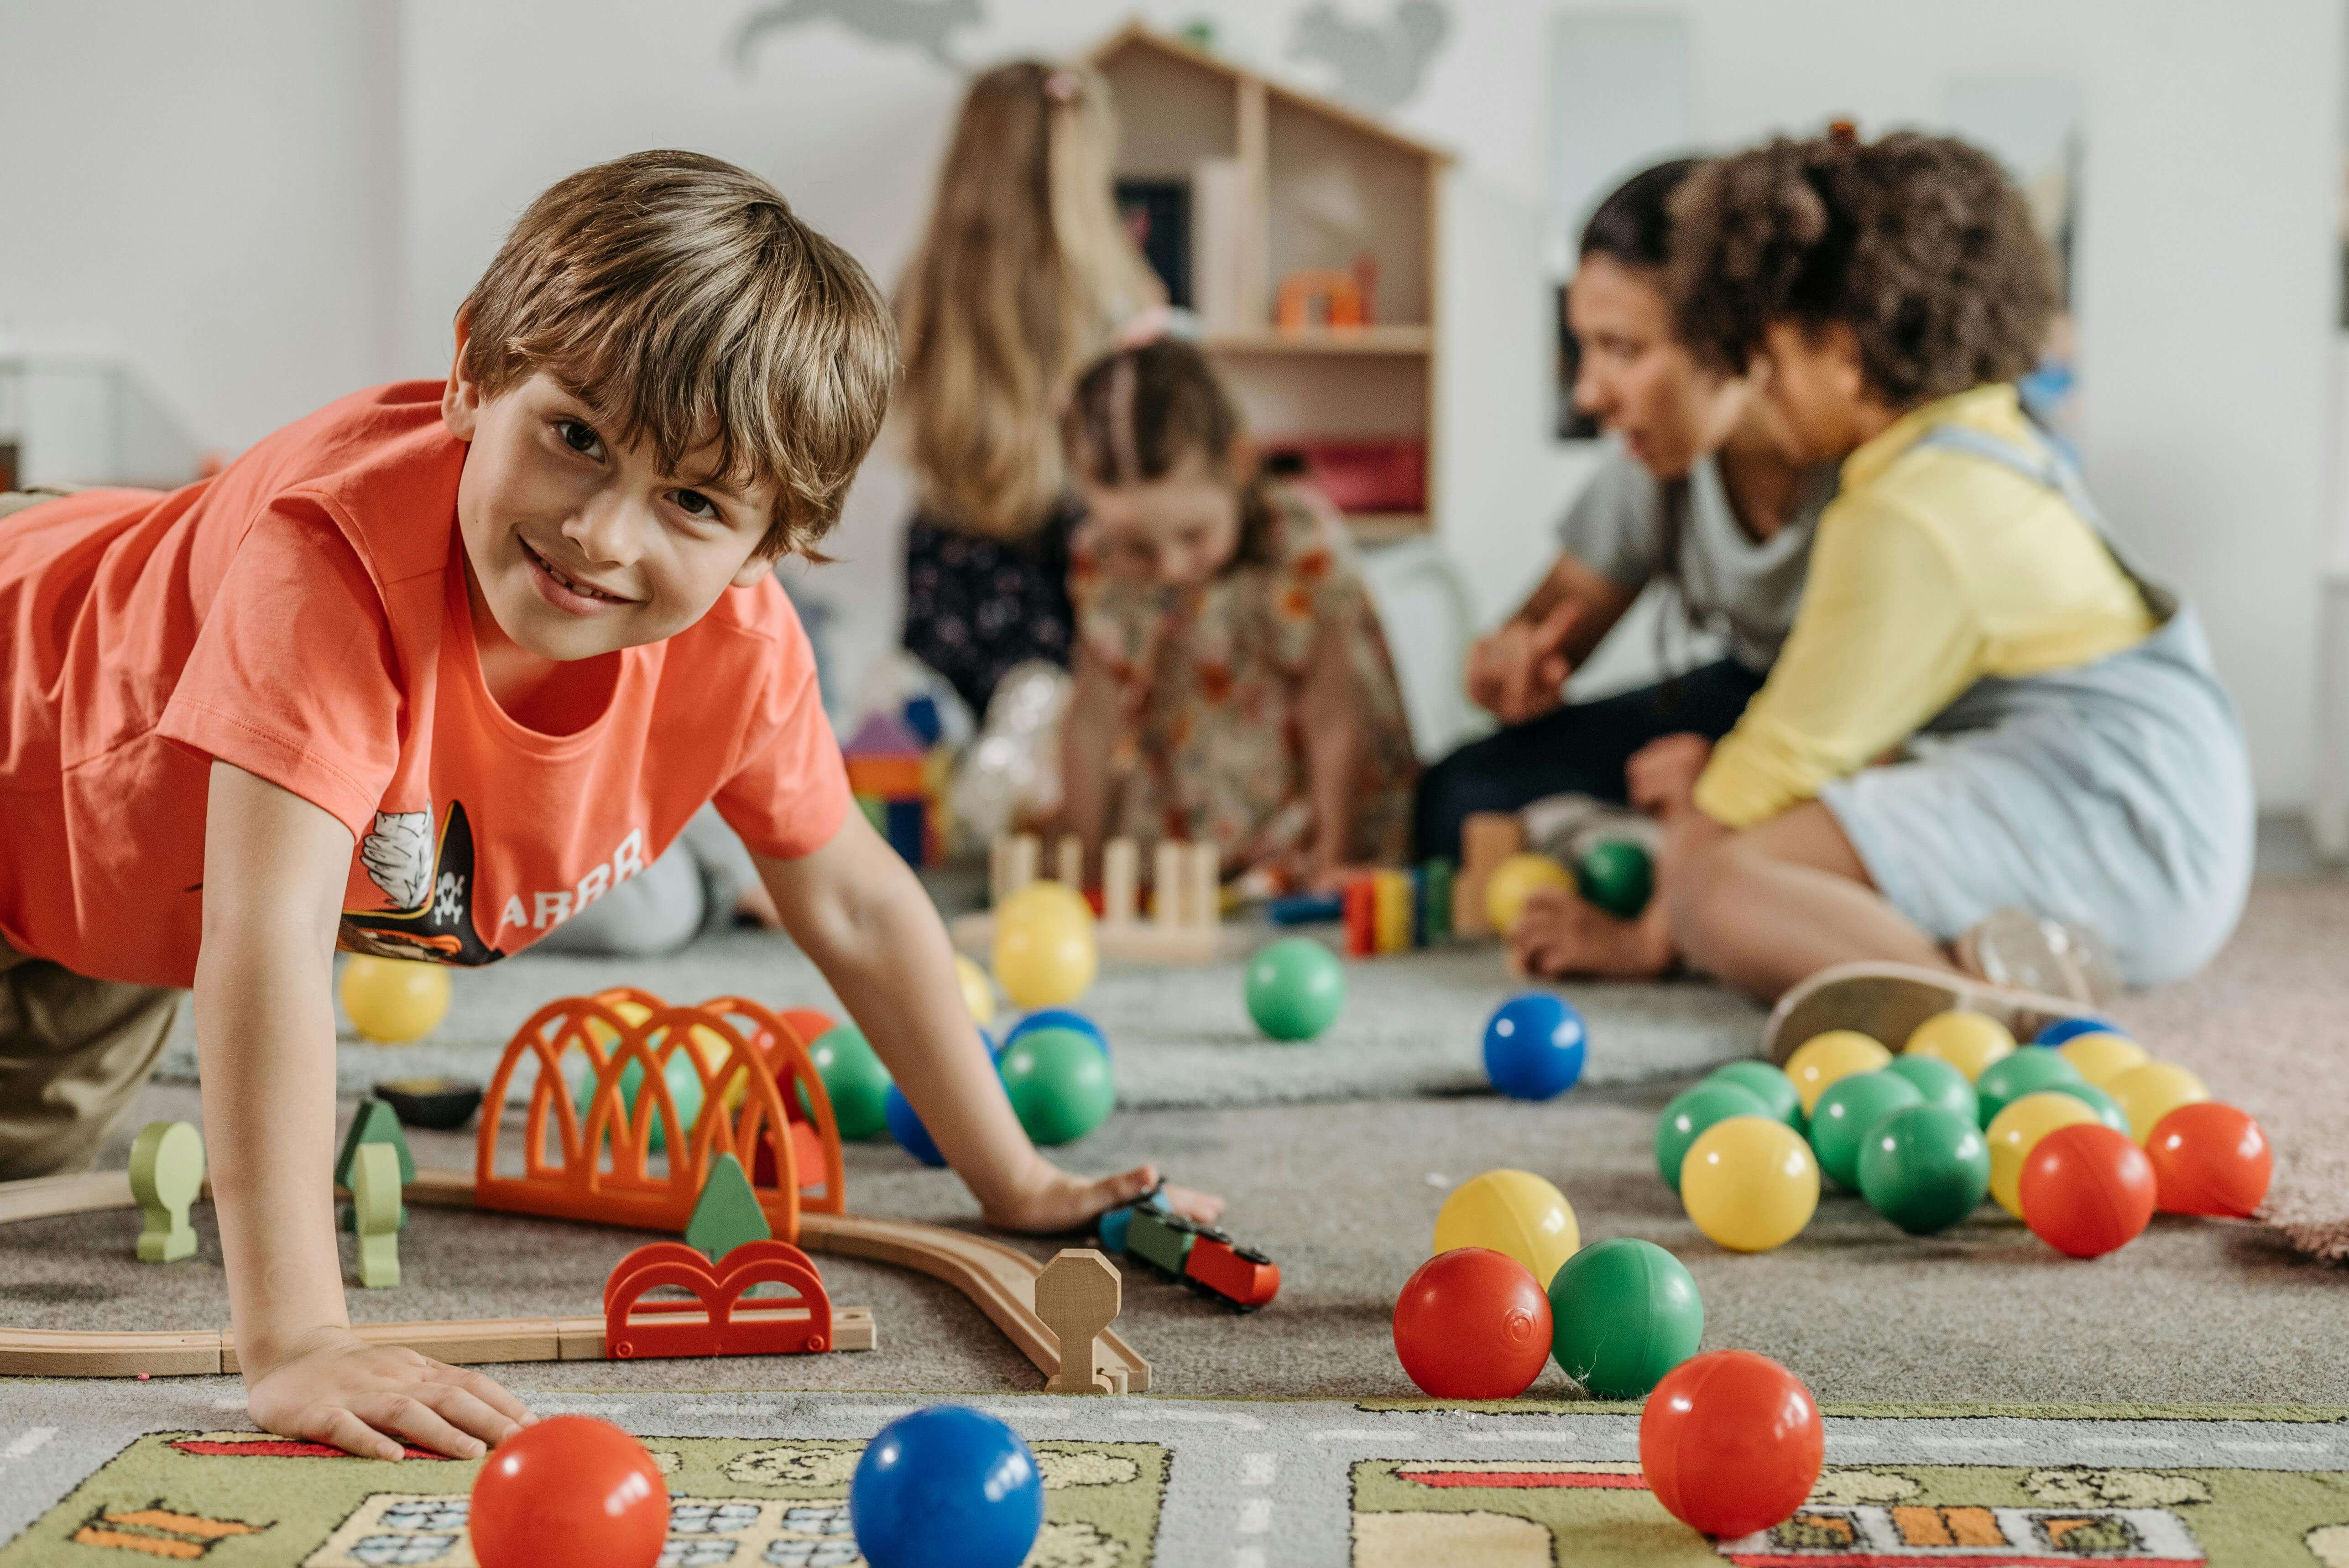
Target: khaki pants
point(72, 1051)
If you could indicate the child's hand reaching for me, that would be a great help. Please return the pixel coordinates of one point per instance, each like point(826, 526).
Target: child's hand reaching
point(371, 1399)
point(1660, 778)
point(1058, 1201)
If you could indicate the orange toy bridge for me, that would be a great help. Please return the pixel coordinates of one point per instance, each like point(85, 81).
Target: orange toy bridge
point(762, 1101)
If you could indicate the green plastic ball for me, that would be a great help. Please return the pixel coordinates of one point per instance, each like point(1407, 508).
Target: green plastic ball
point(1295, 988)
point(1618, 876)
point(1846, 1111)
point(854, 1079)
point(1622, 1314)
point(1690, 1112)
point(1060, 1084)
point(1940, 1083)
point(684, 1091)
point(1924, 1169)
point(2109, 1109)
point(2010, 1077)
point(1768, 1084)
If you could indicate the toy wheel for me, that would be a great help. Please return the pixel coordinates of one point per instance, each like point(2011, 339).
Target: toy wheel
point(624, 1350)
point(816, 1342)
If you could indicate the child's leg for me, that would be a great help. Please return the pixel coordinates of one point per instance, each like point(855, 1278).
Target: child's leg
point(72, 1053)
point(1774, 904)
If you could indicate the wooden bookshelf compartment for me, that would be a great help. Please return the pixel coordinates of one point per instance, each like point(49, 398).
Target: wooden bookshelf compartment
point(1286, 183)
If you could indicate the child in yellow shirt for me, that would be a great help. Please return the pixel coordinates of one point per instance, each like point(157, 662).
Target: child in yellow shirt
point(2053, 738)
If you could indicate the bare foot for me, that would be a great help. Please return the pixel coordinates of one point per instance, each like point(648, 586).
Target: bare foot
point(1060, 1202)
point(1559, 935)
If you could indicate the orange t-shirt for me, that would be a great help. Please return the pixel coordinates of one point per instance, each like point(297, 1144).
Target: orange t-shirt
point(303, 615)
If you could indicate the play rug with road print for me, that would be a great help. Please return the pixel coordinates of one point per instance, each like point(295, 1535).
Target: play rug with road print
point(760, 1481)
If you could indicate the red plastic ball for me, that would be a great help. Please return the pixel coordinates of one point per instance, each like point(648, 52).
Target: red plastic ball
point(1731, 1443)
point(1472, 1323)
point(2209, 1158)
point(2087, 1189)
point(567, 1491)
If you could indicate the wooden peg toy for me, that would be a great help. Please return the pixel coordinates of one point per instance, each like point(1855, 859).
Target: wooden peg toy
point(1203, 885)
point(377, 1213)
point(1486, 839)
point(1069, 862)
point(1078, 1296)
point(167, 1172)
point(1391, 906)
point(1121, 877)
point(1166, 884)
point(1011, 866)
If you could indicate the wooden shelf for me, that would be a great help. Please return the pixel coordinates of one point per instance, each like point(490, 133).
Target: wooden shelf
point(1393, 340)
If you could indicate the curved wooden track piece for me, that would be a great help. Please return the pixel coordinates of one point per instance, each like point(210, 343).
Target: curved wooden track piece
point(999, 1280)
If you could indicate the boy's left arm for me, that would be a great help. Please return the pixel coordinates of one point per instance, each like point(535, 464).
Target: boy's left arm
point(858, 909)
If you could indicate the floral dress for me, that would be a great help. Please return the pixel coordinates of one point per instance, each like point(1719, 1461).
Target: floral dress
point(1211, 747)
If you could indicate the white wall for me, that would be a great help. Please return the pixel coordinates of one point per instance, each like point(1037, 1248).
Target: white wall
point(237, 226)
point(189, 186)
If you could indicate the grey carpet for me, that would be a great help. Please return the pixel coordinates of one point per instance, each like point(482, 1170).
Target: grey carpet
point(1413, 1023)
point(1344, 1197)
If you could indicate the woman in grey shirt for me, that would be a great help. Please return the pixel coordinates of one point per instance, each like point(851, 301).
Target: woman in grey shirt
point(1696, 493)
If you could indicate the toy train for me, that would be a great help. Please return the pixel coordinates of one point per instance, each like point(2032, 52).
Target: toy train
point(1200, 1256)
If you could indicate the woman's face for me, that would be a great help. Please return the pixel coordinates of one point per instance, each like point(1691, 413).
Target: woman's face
point(1636, 378)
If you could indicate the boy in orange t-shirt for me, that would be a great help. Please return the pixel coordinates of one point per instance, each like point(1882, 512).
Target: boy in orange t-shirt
point(424, 674)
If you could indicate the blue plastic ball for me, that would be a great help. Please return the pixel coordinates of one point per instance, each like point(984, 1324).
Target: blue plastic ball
point(1057, 1018)
point(907, 1129)
point(947, 1484)
point(2063, 1029)
point(1534, 1046)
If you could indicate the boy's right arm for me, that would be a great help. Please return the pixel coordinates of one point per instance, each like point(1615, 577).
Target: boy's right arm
point(275, 869)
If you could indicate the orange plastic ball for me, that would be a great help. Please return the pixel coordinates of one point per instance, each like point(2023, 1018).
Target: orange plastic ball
point(569, 1490)
point(2087, 1189)
point(2209, 1158)
point(1731, 1443)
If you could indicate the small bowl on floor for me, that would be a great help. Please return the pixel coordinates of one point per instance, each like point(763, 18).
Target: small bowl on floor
point(438, 1104)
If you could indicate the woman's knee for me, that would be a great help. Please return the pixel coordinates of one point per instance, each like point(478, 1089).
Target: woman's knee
point(1708, 895)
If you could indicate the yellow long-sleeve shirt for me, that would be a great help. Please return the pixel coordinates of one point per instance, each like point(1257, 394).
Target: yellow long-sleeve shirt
point(1932, 567)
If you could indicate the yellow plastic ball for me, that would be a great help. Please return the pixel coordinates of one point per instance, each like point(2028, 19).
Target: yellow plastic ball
point(1967, 1041)
point(1512, 1211)
point(1044, 958)
point(2016, 1130)
point(977, 990)
point(2150, 1091)
point(1750, 1183)
point(1516, 880)
point(1837, 1054)
point(392, 1001)
point(712, 1048)
point(2103, 1057)
point(1045, 900)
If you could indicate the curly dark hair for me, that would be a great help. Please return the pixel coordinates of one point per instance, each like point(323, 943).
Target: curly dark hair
point(1920, 244)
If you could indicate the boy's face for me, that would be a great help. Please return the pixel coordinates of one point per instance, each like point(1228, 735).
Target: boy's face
point(579, 547)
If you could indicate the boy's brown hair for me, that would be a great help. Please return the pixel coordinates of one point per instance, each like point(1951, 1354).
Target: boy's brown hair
point(1920, 244)
point(681, 298)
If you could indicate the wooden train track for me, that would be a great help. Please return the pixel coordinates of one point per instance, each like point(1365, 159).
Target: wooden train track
point(998, 1280)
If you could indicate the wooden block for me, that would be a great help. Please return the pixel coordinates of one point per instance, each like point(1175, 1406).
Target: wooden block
point(727, 1214)
point(376, 1212)
point(1078, 1294)
point(1069, 862)
point(1166, 883)
point(1022, 867)
point(167, 1172)
point(39, 1197)
point(1120, 871)
point(1390, 905)
point(1486, 839)
point(1203, 885)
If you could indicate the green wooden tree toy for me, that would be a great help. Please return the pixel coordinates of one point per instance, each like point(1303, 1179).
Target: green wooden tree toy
point(372, 1122)
point(167, 1172)
point(728, 1212)
point(378, 1213)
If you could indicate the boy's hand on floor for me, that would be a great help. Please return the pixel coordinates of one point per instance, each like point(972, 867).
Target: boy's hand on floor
point(371, 1399)
point(1066, 1202)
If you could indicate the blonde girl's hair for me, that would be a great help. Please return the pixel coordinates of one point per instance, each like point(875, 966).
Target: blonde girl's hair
point(1025, 274)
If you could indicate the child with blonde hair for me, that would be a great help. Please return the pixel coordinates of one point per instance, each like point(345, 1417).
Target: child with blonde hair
point(1024, 275)
point(1233, 685)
